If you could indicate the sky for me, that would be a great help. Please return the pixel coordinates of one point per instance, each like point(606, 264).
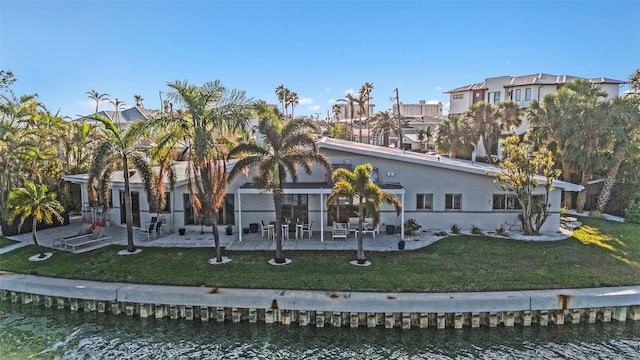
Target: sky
point(60, 50)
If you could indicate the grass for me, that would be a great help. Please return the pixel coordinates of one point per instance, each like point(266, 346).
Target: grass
point(601, 253)
point(6, 242)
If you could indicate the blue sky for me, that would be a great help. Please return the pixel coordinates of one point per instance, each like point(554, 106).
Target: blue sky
point(320, 49)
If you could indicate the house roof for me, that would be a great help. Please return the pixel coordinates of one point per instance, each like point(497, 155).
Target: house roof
point(126, 116)
point(478, 86)
point(438, 161)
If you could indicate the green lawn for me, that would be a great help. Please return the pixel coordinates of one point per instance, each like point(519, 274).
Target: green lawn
point(6, 242)
point(601, 253)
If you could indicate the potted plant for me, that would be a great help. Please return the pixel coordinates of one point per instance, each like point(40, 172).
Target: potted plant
point(401, 244)
point(229, 229)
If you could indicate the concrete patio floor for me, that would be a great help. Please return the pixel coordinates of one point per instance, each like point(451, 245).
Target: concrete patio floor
point(194, 237)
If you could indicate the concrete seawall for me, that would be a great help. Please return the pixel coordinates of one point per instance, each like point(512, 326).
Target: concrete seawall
point(320, 308)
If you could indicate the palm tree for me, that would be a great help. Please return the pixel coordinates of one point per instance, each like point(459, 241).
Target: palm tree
point(382, 124)
point(37, 202)
point(484, 117)
point(336, 109)
point(292, 99)
point(119, 151)
point(213, 116)
point(455, 135)
point(365, 95)
point(351, 100)
point(282, 93)
point(509, 113)
point(286, 145)
point(424, 135)
point(97, 97)
point(367, 196)
point(625, 128)
point(138, 99)
point(634, 82)
point(119, 105)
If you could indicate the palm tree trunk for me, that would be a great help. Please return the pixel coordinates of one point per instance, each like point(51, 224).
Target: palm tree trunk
point(127, 204)
point(487, 149)
point(360, 253)
point(582, 195)
point(277, 200)
point(609, 182)
point(213, 217)
point(35, 237)
point(566, 176)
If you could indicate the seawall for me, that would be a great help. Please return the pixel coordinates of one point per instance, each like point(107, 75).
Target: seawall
point(328, 308)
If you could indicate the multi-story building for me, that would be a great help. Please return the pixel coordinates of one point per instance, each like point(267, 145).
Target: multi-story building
point(423, 108)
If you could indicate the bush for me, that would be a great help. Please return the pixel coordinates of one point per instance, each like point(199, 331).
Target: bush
point(411, 226)
point(632, 213)
point(455, 228)
point(501, 231)
point(476, 230)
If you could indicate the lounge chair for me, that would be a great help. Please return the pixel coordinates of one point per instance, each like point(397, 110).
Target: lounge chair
point(85, 229)
point(93, 238)
point(148, 229)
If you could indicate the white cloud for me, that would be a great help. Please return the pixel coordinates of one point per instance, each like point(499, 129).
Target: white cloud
point(439, 88)
point(315, 108)
point(433, 102)
point(331, 101)
point(327, 89)
point(305, 100)
point(348, 91)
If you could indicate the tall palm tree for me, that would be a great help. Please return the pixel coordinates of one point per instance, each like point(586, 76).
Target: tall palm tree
point(365, 95)
point(455, 135)
point(367, 196)
point(286, 145)
point(351, 100)
point(212, 118)
point(382, 124)
point(634, 82)
point(138, 99)
point(97, 97)
point(293, 100)
point(509, 116)
point(282, 94)
point(119, 105)
point(625, 127)
point(336, 109)
point(37, 202)
point(119, 151)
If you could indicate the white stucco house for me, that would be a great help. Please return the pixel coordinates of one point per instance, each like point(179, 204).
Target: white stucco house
point(435, 190)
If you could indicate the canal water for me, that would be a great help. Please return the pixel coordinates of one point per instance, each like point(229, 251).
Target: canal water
point(34, 332)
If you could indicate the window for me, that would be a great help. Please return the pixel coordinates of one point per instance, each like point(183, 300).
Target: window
point(458, 96)
point(424, 201)
point(527, 94)
point(518, 94)
point(153, 204)
point(494, 97)
point(452, 201)
point(506, 202)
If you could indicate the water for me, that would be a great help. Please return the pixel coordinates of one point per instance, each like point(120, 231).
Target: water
point(30, 332)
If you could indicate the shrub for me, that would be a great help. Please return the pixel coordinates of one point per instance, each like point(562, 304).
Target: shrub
point(476, 230)
point(501, 231)
point(441, 233)
point(632, 213)
point(455, 228)
point(411, 226)
point(563, 211)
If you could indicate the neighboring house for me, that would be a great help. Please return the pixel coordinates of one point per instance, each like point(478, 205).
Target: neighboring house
point(430, 108)
point(434, 190)
point(123, 118)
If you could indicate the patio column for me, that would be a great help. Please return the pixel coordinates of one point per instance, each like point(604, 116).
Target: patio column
point(239, 216)
point(402, 216)
point(321, 215)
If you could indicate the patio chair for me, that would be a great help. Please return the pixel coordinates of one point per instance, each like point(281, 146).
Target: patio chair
point(339, 231)
point(158, 229)
point(308, 228)
point(148, 229)
point(93, 238)
point(265, 229)
point(85, 229)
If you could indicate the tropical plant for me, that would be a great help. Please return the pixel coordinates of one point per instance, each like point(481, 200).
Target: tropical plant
point(455, 229)
point(119, 151)
point(351, 100)
point(365, 104)
point(423, 135)
point(411, 226)
point(286, 145)
point(382, 124)
point(484, 117)
point(625, 131)
point(213, 116)
point(366, 195)
point(339, 131)
point(97, 97)
point(35, 201)
point(519, 174)
point(292, 100)
point(336, 109)
point(138, 99)
point(283, 94)
point(456, 135)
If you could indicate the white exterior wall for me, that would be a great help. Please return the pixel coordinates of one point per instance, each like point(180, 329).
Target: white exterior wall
point(459, 106)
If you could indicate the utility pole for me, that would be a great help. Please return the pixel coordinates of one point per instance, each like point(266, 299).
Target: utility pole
point(399, 119)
